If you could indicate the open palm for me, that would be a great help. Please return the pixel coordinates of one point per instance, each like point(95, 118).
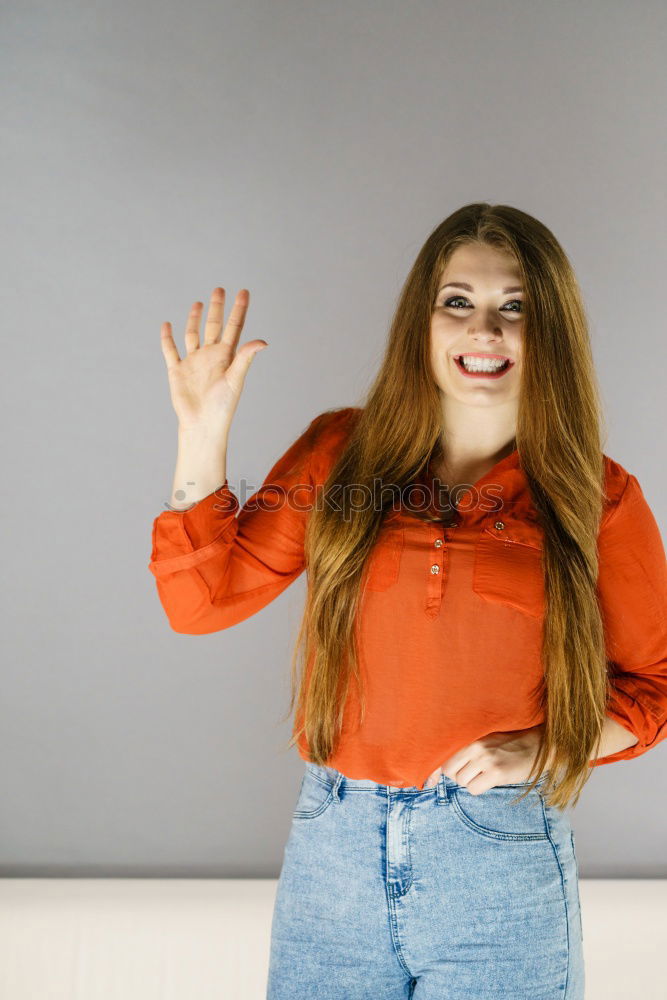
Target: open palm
point(206, 384)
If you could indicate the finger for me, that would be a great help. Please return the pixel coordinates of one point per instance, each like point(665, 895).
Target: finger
point(433, 778)
point(468, 773)
point(216, 311)
point(169, 349)
point(236, 319)
point(458, 760)
point(192, 327)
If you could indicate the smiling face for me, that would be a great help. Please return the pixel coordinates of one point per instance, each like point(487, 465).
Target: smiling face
point(477, 327)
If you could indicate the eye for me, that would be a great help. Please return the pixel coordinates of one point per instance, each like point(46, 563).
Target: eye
point(456, 298)
point(462, 298)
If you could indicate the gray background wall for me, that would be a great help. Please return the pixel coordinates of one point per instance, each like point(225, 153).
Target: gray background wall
point(303, 150)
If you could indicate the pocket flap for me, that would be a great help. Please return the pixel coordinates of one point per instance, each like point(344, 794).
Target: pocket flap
point(514, 529)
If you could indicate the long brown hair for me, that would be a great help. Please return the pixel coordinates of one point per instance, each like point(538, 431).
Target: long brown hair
point(399, 430)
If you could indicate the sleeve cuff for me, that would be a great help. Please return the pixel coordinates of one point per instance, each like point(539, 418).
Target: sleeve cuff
point(627, 711)
point(211, 518)
point(182, 539)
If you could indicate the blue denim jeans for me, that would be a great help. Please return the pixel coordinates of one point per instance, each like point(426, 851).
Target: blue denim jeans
point(434, 894)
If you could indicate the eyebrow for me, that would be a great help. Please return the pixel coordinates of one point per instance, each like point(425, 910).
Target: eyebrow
point(469, 288)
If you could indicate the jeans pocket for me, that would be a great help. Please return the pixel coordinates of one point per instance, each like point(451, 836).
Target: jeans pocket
point(495, 815)
point(315, 796)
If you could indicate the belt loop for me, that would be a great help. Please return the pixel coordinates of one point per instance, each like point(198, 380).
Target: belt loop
point(336, 785)
point(442, 795)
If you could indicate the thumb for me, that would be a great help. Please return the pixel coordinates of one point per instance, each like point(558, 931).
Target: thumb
point(241, 363)
point(260, 348)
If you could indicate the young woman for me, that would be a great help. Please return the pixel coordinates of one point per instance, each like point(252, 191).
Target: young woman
point(486, 620)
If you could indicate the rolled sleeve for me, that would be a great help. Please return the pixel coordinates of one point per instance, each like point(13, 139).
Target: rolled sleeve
point(632, 593)
point(218, 562)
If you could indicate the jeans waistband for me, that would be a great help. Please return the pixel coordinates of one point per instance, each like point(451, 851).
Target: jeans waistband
point(340, 780)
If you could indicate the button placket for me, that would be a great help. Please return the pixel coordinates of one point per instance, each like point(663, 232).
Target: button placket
point(435, 570)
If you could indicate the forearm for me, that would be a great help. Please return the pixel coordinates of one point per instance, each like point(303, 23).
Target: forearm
point(201, 466)
point(614, 738)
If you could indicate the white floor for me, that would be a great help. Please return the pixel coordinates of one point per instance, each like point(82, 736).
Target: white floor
point(200, 939)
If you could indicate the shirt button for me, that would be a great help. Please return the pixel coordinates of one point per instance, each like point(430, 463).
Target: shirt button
point(438, 543)
point(435, 568)
point(499, 525)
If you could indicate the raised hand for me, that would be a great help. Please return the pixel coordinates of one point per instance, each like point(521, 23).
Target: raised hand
point(206, 384)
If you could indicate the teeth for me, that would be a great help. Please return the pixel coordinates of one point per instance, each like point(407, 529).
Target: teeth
point(479, 365)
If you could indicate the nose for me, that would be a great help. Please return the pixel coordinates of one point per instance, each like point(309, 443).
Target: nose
point(487, 324)
point(486, 334)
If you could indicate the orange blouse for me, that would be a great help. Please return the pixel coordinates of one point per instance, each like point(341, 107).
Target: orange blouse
point(450, 619)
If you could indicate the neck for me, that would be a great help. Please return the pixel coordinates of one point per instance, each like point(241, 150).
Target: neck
point(474, 439)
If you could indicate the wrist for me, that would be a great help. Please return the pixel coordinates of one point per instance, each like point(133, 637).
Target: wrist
point(205, 433)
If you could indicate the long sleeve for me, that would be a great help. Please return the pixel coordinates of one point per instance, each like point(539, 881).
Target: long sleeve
point(218, 563)
point(632, 591)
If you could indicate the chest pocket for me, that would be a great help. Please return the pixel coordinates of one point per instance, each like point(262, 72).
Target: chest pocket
point(384, 561)
point(508, 563)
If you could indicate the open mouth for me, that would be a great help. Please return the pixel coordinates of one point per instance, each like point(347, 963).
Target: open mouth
point(487, 366)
